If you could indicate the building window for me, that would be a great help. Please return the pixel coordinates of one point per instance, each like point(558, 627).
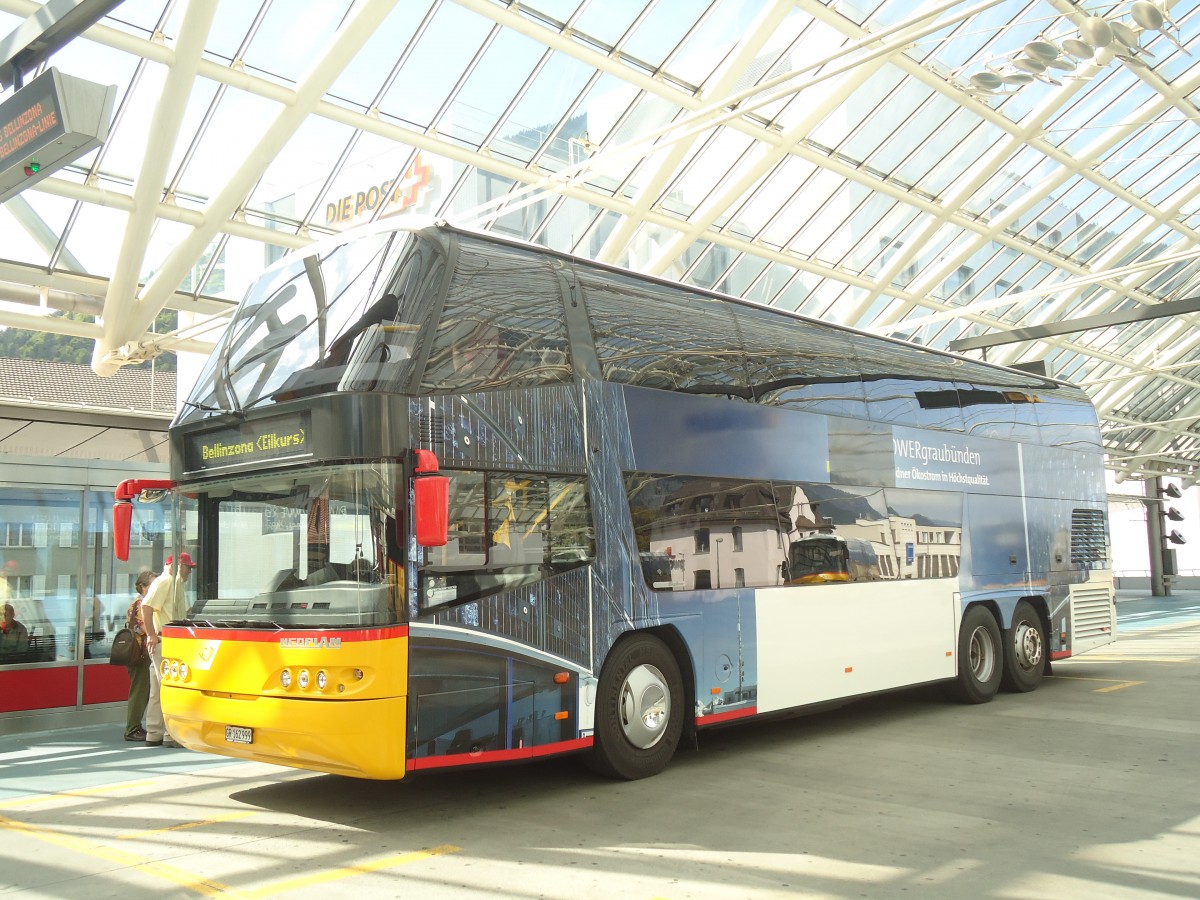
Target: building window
point(68, 534)
point(703, 579)
point(19, 586)
point(737, 538)
point(16, 534)
point(701, 541)
point(739, 577)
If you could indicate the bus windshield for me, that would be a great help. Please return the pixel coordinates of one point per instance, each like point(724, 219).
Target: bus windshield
point(316, 548)
point(348, 319)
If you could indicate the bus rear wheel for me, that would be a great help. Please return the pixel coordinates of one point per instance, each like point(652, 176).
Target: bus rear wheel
point(639, 710)
point(1024, 650)
point(979, 657)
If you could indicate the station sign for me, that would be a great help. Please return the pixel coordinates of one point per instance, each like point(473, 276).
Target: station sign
point(395, 196)
point(49, 123)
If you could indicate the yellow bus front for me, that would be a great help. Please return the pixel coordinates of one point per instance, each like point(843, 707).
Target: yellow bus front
point(329, 701)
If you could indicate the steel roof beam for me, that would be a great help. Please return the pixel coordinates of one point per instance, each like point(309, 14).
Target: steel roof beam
point(36, 227)
point(93, 286)
point(357, 28)
point(1073, 326)
point(748, 48)
point(92, 331)
point(703, 217)
point(1070, 167)
point(121, 303)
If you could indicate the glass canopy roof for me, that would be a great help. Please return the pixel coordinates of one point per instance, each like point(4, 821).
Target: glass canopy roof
point(1013, 179)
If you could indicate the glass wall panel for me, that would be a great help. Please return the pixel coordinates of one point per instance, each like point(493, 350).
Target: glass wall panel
point(41, 553)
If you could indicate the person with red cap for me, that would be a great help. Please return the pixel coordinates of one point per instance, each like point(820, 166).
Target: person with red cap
point(165, 602)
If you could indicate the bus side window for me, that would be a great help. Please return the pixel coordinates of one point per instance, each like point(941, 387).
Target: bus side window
point(508, 529)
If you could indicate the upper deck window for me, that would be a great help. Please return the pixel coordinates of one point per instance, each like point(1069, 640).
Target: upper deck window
point(501, 324)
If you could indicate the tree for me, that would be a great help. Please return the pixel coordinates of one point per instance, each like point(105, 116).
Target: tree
point(17, 343)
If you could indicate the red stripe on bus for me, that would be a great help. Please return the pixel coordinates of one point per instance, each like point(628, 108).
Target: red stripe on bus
point(488, 756)
point(1060, 654)
point(727, 716)
point(270, 637)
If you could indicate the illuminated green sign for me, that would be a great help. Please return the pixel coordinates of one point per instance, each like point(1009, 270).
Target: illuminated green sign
point(49, 123)
point(250, 442)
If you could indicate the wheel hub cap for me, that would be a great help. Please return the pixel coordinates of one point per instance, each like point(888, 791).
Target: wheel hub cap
point(983, 654)
point(645, 706)
point(1028, 644)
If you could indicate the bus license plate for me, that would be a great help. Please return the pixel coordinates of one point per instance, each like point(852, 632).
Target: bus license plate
point(236, 734)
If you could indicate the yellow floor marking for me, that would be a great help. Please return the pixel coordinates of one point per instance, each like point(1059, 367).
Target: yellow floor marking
point(1117, 687)
point(80, 792)
point(387, 862)
point(1114, 684)
point(1098, 658)
point(212, 821)
point(207, 887)
point(203, 886)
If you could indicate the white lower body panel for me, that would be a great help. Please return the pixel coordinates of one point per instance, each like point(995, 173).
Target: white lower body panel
point(825, 642)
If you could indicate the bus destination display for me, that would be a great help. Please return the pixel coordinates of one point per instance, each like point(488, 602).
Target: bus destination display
point(268, 439)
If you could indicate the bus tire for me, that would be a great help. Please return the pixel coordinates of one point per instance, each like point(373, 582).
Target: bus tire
point(639, 710)
point(1024, 650)
point(979, 657)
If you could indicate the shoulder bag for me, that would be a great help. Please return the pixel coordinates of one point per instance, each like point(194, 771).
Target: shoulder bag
point(127, 649)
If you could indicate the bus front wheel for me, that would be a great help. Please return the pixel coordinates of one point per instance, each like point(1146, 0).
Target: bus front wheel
point(639, 710)
point(979, 657)
point(1024, 650)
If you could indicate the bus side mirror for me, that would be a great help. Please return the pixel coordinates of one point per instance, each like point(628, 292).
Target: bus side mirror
point(431, 510)
point(431, 501)
point(122, 518)
point(145, 490)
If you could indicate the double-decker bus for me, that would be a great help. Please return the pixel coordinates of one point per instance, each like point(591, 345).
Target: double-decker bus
point(456, 499)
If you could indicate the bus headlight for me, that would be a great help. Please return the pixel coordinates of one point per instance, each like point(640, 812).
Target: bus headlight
point(285, 678)
point(302, 679)
point(174, 668)
point(183, 671)
point(322, 680)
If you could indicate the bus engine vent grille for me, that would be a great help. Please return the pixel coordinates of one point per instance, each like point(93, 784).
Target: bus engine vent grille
point(433, 428)
point(1089, 538)
point(1092, 615)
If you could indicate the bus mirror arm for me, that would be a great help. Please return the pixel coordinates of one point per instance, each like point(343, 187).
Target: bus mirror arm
point(123, 496)
point(431, 501)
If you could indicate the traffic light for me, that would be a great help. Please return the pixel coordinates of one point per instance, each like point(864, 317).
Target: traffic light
point(1173, 492)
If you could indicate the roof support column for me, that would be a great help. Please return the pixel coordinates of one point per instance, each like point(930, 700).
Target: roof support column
point(1159, 586)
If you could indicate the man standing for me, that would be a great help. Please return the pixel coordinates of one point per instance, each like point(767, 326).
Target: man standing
point(165, 602)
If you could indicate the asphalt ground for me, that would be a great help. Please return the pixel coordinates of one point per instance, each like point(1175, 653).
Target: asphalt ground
point(1086, 788)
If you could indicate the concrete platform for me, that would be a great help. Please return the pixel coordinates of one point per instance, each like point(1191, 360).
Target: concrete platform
point(1085, 788)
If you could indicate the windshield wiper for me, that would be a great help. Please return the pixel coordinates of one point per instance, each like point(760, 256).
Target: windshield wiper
point(206, 407)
